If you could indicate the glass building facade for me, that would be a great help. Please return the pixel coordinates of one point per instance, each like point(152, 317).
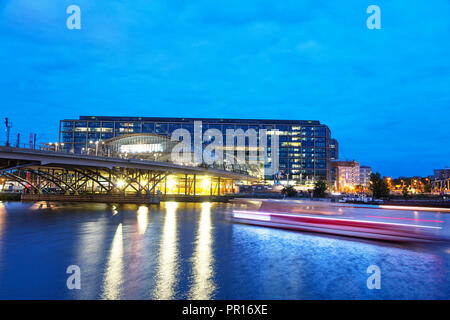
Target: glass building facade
point(305, 147)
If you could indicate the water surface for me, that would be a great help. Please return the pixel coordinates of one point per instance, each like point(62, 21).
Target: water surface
point(193, 251)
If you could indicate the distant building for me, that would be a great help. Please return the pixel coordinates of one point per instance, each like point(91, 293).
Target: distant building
point(334, 149)
point(47, 146)
point(442, 173)
point(346, 175)
point(364, 176)
point(305, 146)
point(441, 181)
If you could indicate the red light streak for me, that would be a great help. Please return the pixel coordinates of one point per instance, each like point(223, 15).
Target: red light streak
point(331, 219)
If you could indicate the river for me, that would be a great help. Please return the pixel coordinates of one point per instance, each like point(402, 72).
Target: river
point(193, 251)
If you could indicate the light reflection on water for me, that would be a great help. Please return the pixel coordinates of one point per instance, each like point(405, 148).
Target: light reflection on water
point(2, 226)
point(203, 258)
point(168, 263)
point(179, 251)
point(113, 277)
point(142, 218)
point(89, 250)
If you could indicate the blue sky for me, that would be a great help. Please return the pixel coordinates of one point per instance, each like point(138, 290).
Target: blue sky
point(385, 94)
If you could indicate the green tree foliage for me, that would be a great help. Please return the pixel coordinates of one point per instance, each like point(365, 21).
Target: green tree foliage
point(319, 188)
point(289, 191)
point(378, 186)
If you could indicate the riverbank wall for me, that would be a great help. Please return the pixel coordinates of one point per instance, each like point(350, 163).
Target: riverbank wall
point(9, 196)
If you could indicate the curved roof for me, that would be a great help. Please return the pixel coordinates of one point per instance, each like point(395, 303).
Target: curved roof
point(136, 135)
point(141, 143)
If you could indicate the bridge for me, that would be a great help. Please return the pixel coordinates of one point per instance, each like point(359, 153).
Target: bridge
point(52, 175)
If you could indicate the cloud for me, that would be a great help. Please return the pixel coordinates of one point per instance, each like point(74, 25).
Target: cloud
point(378, 90)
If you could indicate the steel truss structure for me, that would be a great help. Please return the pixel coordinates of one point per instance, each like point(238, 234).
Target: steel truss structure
point(77, 181)
point(56, 173)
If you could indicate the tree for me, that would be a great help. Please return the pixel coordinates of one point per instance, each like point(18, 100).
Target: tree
point(320, 187)
point(405, 192)
point(427, 187)
point(289, 191)
point(378, 186)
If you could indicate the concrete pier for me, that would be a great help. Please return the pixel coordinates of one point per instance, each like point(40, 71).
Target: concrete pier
point(92, 198)
point(124, 199)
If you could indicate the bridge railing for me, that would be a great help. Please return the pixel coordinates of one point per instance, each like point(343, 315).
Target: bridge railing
point(237, 168)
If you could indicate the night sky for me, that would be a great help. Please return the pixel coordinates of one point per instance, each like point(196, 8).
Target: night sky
point(385, 94)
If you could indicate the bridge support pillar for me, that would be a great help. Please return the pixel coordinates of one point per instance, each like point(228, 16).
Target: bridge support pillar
point(195, 179)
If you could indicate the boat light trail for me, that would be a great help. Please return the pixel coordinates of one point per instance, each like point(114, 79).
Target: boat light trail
point(326, 219)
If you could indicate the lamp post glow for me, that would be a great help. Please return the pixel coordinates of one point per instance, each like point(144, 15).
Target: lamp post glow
point(120, 183)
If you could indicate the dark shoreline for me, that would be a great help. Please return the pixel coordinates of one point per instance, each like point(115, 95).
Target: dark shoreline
point(9, 196)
